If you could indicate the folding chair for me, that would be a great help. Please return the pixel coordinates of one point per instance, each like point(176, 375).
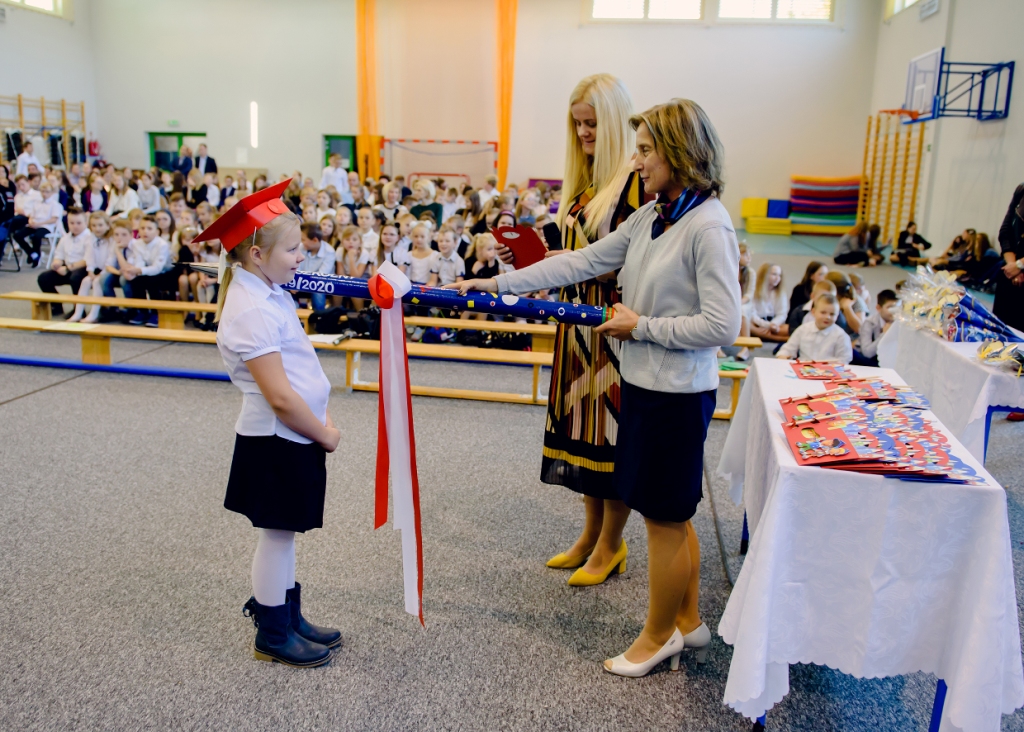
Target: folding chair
point(11, 249)
point(53, 237)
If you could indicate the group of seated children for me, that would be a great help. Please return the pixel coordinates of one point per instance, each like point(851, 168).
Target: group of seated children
point(436, 235)
point(823, 319)
point(145, 257)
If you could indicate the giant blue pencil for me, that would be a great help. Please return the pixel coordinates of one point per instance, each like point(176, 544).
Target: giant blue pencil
point(474, 302)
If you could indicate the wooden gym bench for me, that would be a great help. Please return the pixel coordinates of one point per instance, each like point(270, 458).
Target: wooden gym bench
point(170, 313)
point(95, 338)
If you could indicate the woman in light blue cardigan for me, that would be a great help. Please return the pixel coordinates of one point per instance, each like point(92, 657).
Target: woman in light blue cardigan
point(680, 302)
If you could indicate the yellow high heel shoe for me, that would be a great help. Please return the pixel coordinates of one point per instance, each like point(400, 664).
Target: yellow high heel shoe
point(582, 578)
point(564, 561)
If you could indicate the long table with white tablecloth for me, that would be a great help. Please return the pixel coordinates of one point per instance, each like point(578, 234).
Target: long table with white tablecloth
point(870, 575)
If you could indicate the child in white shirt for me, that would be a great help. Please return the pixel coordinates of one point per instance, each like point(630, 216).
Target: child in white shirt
point(212, 190)
point(405, 224)
point(371, 239)
point(389, 249)
point(422, 268)
point(148, 269)
point(821, 340)
point(876, 324)
point(149, 195)
point(97, 255)
point(43, 218)
point(323, 205)
point(450, 266)
point(353, 260)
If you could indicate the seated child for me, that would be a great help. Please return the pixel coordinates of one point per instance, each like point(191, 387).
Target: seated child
point(96, 258)
point(121, 236)
point(320, 258)
point(388, 249)
point(207, 287)
point(353, 260)
point(405, 224)
point(874, 326)
point(366, 222)
point(804, 315)
point(821, 340)
point(185, 253)
point(69, 259)
point(450, 267)
point(422, 268)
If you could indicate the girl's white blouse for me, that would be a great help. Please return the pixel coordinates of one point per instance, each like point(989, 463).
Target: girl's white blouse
point(257, 320)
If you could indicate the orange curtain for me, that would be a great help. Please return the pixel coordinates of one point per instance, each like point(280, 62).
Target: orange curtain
point(368, 139)
point(505, 11)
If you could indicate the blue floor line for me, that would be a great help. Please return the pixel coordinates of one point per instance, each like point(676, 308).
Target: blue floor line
point(115, 368)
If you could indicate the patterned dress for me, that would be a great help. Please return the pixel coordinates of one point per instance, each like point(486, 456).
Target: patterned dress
point(583, 401)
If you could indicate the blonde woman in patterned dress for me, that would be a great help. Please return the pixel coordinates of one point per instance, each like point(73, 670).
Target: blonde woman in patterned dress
point(599, 192)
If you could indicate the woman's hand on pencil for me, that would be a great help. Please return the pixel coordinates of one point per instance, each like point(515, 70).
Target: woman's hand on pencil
point(487, 285)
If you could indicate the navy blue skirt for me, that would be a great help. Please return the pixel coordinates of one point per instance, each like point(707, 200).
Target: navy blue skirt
point(659, 451)
point(277, 483)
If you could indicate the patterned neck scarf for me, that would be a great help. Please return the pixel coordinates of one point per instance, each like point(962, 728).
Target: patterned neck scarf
point(670, 212)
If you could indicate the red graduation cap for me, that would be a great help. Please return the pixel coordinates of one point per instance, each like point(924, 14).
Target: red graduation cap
point(246, 216)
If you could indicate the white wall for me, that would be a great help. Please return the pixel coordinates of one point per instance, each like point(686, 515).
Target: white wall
point(978, 164)
point(202, 62)
point(46, 56)
point(785, 99)
point(973, 166)
point(435, 69)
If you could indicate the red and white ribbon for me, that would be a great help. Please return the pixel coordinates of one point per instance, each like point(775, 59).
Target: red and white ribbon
point(396, 441)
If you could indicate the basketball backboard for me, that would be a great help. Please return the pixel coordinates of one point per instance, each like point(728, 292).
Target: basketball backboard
point(923, 83)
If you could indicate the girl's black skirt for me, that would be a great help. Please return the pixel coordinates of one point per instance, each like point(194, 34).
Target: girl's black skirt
point(659, 452)
point(277, 483)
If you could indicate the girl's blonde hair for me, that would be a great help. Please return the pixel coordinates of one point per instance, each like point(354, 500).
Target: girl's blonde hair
point(333, 239)
point(380, 243)
point(266, 238)
point(101, 216)
point(760, 292)
point(479, 241)
point(609, 166)
point(687, 141)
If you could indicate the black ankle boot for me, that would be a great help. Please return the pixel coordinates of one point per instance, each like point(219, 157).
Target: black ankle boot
point(324, 636)
point(276, 641)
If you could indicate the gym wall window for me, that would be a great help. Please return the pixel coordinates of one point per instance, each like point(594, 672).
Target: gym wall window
point(895, 6)
point(60, 8)
point(729, 11)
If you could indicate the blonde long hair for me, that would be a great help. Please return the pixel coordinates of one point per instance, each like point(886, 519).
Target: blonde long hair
point(265, 238)
point(609, 166)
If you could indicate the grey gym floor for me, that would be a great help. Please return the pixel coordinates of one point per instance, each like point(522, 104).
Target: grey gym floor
point(122, 577)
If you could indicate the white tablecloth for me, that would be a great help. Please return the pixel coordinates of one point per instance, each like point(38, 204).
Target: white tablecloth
point(960, 388)
point(869, 575)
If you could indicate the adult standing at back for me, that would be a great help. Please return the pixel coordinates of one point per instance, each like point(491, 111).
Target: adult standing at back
point(203, 162)
point(183, 164)
point(1009, 303)
point(27, 158)
point(600, 192)
point(337, 176)
point(680, 303)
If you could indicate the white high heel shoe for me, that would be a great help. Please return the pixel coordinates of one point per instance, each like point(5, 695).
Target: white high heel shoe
point(698, 639)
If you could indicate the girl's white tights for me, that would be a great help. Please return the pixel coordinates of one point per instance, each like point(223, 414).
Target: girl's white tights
point(90, 282)
point(273, 566)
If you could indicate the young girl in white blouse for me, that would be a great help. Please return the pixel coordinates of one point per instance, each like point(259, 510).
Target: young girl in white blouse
point(96, 258)
point(422, 267)
point(278, 472)
point(770, 305)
